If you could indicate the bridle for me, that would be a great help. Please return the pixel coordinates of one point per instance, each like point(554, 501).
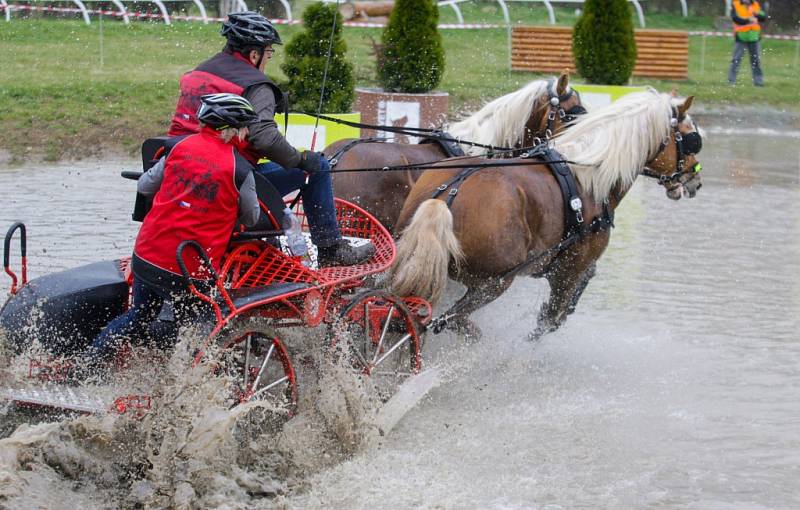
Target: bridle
point(557, 110)
point(685, 145)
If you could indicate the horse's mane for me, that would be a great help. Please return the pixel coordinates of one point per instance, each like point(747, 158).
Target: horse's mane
point(611, 145)
point(500, 122)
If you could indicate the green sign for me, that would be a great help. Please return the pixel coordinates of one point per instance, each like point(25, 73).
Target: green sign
point(301, 130)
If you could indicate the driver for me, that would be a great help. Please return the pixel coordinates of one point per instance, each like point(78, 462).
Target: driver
point(200, 189)
point(239, 69)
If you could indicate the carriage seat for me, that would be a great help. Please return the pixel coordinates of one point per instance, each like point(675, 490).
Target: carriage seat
point(247, 295)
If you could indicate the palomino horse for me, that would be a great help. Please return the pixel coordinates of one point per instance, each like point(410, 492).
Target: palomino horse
point(506, 221)
point(514, 120)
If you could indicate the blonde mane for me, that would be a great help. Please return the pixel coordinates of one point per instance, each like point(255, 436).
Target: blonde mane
point(612, 145)
point(500, 122)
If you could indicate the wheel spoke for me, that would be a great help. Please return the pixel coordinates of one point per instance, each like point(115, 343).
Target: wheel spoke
point(264, 364)
point(367, 339)
point(247, 360)
point(270, 386)
point(393, 348)
point(383, 335)
point(360, 357)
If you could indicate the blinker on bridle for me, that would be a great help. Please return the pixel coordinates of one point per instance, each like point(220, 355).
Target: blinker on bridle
point(685, 145)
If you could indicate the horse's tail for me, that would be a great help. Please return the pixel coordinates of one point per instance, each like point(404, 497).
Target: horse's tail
point(424, 251)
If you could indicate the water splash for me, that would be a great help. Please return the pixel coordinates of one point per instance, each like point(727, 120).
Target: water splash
point(191, 450)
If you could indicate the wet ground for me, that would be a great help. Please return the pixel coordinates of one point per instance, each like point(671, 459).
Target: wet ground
point(675, 384)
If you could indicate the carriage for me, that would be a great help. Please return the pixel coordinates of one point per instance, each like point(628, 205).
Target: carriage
point(556, 228)
point(261, 292)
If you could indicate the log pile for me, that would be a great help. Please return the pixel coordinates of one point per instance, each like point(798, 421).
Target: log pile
point(366, 10)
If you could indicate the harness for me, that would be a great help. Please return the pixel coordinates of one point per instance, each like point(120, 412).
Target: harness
point(446, 142)
point(573, 205)
point(443, 139)
point(574, 227)
point(334, 159)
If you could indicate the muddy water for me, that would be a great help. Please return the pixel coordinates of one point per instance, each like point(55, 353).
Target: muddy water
point(675, 384)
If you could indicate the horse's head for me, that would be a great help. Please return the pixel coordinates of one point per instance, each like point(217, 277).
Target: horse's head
point(675, 165)
point(559, 105)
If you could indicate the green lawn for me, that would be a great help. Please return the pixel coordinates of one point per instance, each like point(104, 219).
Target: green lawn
point(59, 95)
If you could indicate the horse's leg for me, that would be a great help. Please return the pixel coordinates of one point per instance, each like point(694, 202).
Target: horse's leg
point(587, 275)
point(479, 294)
point(568, 280)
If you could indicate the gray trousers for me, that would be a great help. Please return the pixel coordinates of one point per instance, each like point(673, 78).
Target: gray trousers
point(754, 49)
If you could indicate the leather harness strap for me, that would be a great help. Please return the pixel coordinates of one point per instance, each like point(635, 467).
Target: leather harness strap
point(446, 141)
point(334, 159)
point(573, 205)
point(574, 226)
point(454, 183)
point(440, 138)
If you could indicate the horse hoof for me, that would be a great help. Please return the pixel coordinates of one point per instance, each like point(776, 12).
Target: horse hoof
point(536, 335)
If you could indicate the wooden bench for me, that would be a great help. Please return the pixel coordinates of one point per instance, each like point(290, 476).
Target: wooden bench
point(659, 53)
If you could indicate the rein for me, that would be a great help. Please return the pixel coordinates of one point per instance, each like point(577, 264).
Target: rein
point(555, 109)
point(410, 131)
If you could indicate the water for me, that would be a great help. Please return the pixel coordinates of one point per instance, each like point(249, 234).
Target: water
point(675, 384)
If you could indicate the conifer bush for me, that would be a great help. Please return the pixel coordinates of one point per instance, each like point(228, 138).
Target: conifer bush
point(304, 64)
point(411, 56)
point(603, 43)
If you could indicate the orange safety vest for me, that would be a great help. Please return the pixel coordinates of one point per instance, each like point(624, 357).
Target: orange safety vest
point(746, 12)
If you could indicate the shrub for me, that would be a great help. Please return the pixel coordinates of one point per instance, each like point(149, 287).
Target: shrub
point(304, 64)
point(411, 57)
point(603, 42)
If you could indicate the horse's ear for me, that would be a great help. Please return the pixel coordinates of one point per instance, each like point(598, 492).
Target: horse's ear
point(684, 107)
point(563, 83)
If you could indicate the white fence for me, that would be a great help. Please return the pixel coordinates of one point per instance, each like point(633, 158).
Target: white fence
point(122, 10)
point(124, 13)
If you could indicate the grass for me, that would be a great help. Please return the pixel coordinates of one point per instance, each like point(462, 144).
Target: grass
point(60, 96)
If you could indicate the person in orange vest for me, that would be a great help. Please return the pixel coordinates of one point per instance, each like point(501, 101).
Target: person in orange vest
point(747, 14)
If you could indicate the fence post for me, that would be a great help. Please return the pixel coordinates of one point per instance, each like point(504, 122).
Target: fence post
point(796, 53)
point(102, 50)
point(703, 56)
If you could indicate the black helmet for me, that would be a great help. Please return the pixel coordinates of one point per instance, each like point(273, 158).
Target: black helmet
point(249, 28)
point(222, 111)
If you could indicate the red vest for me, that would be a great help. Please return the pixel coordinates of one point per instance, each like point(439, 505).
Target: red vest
point(224, 72)
point(198, 200)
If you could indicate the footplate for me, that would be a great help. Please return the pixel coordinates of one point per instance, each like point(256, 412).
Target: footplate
point(60, 397)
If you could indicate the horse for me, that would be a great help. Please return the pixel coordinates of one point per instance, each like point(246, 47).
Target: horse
point(508, 221)
point(518, 119)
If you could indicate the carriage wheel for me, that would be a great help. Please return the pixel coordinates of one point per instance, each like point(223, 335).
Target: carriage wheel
point(383, 339)
point(260, 366)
